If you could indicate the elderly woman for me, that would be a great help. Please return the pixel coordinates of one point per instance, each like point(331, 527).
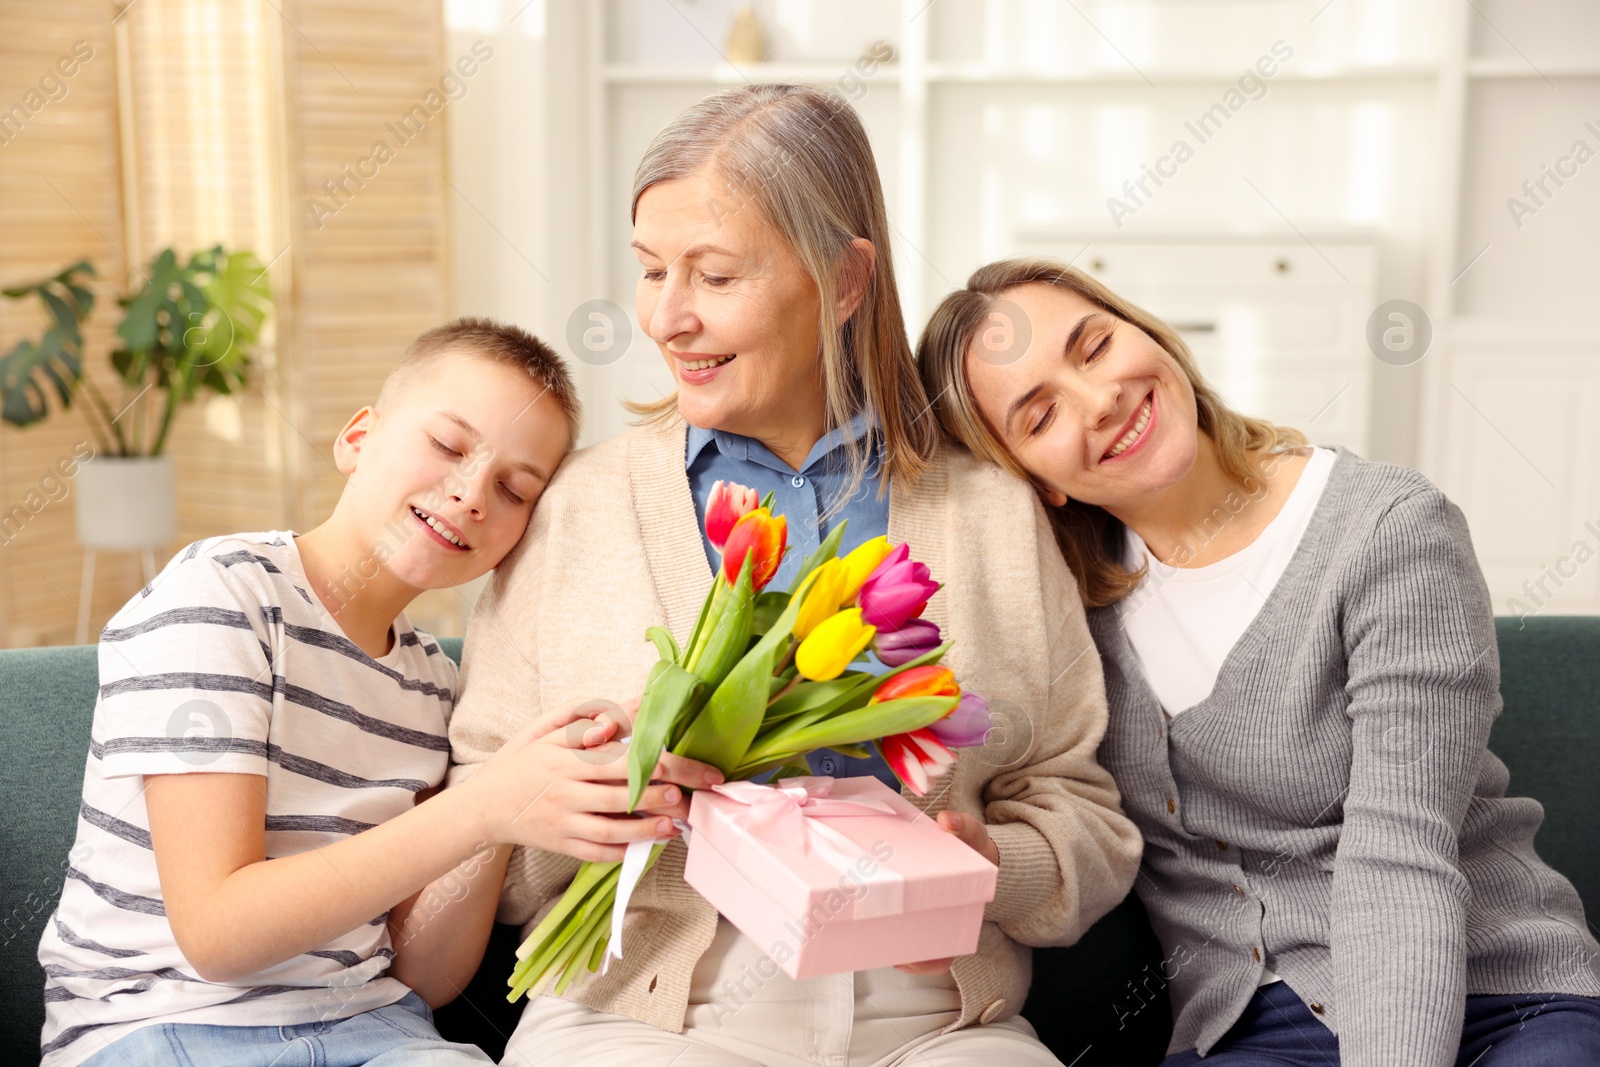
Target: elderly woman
point(766, 284)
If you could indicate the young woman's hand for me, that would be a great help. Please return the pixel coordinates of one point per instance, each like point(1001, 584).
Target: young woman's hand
point(561, 785)
point(976, 837)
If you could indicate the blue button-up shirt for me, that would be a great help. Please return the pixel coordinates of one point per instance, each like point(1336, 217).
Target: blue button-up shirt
point(801, 496)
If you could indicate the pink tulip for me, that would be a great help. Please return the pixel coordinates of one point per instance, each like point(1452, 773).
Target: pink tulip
point(896, 592)
point(967, 726)
point(917, 758)
point(729, 503)
point(898, 647)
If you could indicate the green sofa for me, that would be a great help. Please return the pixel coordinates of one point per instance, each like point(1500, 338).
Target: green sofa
point(1099, 1002)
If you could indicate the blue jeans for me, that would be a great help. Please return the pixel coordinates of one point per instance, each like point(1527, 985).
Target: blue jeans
point(399, 1035)
point(1530, 1030)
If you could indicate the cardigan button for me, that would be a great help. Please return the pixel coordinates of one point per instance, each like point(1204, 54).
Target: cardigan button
point(1172, 806)
point(1317, 1008)
point(1236, 889)
point(1223, 845)
point(1256, 952)
point(992, 1012)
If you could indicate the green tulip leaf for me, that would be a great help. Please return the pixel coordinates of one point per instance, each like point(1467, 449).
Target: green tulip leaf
point(825, 697)
point(853, 727)
point(664, 643)
point(667, 695)
point(729, 637)
point(769, 606)
point(723, 730)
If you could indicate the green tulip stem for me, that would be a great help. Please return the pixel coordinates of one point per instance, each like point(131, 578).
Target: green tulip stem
point(589, 877)
point(581, 945)
point(719, 597)
point(786, 690)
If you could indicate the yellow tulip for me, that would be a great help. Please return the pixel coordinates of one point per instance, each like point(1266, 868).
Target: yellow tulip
point(822, 597)
point(859, 565)
point(831, 646)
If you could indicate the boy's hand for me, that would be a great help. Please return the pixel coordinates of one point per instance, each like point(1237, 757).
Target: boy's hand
point(561, 784)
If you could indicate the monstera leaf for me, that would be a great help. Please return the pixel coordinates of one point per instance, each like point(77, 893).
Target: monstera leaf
point(32, 370)
point(189, 328)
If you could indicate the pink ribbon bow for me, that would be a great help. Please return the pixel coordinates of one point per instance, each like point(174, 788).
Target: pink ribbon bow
point(786, 814)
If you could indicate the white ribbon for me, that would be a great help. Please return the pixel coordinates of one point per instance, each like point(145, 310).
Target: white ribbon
point(633, 864)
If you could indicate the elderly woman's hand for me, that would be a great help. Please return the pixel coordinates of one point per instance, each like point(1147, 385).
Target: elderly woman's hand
point(976, 837)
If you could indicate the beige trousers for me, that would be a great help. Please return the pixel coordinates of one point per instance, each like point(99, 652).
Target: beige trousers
point(739, 1018)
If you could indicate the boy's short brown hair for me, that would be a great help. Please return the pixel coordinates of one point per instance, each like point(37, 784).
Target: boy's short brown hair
point(509, 345)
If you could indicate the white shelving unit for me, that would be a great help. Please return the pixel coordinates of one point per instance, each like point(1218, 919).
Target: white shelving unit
point(1388, 143)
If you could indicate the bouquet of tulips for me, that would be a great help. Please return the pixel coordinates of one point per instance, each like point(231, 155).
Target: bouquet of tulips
point(764, 680)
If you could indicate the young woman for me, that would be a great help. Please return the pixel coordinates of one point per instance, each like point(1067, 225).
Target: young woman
point(1301, 667)
point(766, 283)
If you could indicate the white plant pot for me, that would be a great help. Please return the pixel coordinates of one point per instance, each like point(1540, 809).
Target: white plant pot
point(126, 502)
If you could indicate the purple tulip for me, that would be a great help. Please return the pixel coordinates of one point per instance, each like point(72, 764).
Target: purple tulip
point(896, 592)
point(916, 638)
point(967, 726)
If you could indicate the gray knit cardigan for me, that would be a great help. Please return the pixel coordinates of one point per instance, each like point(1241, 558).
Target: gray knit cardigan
point(1332, 807)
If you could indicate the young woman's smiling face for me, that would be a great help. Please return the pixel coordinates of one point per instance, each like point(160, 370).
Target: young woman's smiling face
point(1092, 407)
point(734, 313)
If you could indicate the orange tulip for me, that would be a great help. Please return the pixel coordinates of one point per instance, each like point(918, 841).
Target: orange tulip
point(927, 681)
point(761, 537)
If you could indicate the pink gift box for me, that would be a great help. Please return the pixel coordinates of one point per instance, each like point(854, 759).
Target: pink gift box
point(830, 875)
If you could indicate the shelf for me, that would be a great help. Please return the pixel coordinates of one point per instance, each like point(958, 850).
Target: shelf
point(1501, 69)
point(987, 74)
point(983, 74)
point(729, 74)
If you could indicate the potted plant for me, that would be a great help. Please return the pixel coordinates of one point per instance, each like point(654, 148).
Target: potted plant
point(191, 327)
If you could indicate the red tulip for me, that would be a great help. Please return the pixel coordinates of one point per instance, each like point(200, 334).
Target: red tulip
point(927, 681)
point(916, 758)
point(729, 503)
point(897, 591)
point(760, 536)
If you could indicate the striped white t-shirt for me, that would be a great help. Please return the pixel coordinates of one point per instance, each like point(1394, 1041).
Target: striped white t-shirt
point(228, 663)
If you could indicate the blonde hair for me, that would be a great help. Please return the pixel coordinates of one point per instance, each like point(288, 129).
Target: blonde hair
point(800, 157)
point(1091, 538)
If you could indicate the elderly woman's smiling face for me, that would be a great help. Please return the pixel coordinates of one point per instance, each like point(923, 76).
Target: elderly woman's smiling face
point(735, 314)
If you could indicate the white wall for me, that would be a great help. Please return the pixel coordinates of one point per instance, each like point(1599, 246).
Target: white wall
point(1400, 128)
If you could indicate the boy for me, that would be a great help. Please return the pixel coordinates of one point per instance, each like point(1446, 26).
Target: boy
point(258, 819)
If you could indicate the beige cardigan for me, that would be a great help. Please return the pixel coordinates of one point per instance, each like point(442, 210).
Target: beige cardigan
point(614, 548)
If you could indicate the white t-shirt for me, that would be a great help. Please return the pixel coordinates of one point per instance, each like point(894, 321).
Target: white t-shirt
point(1183, 621)
point(228, 663)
